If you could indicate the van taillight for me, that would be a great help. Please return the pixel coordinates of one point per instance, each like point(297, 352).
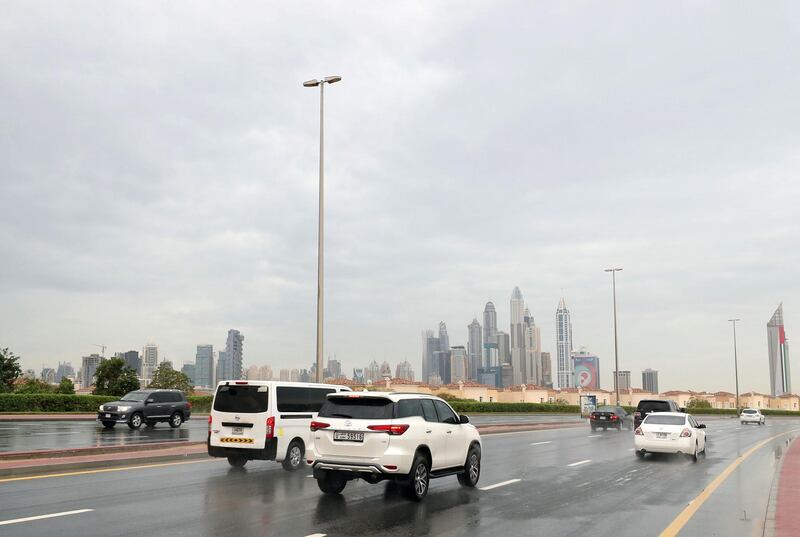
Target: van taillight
point(270, 427)
point(209, 423)
point(316, 425)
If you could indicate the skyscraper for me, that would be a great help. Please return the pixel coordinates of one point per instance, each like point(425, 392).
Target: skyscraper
point(490, 358)
point(88, 368)
point(623, 380)
point(149, 360)
point(459, 366)
point(64, 370)
point(204, 366)
point(223, 367)
point(564, 370)
point(650, 380)
point(517, 336)
point(430, 344)
point(190, 370)
point(533, 349)
point(234, 351)
point(547, 370)
point(475, 348)
point(780, 379)
point(132, 360)
point(404, 371)
point(503, 349)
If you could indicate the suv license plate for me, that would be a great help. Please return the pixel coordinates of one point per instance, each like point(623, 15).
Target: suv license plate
point(237, 430)
point(108, 415)
point(348, 436)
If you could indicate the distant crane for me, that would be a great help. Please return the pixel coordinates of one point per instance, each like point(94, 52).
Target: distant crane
point(102, 349)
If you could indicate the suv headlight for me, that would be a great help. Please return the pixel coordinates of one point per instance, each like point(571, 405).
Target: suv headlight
point(101, 408)
point(123, 408)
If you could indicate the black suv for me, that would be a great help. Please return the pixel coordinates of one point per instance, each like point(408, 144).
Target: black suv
point(148, 407)
point(648, 406)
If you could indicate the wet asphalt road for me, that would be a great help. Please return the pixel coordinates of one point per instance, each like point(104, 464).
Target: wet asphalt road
point(42, 435)
point(614, 494)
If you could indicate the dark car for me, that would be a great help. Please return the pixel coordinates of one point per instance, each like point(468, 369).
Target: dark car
point(148, 407)
point(610, 417)
point(648, 406)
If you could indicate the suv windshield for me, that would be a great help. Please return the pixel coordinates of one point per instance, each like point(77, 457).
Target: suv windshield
point(137, 397)
point(243, 399)
point(358, 408)
point(659, 419)
point(653, 406)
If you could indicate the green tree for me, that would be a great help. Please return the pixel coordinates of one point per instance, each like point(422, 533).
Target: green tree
point(66, 386)
point(33, 386)
point(167, 378)
point(698, 403)
point(113, 377)
point(10, 370)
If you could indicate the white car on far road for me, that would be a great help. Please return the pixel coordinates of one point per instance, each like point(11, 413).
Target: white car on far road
point(670, 432)
point(752, 415)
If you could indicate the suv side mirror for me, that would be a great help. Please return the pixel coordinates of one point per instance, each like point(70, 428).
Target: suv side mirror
point(701, 426)
point(683, 409)
point(463, 418)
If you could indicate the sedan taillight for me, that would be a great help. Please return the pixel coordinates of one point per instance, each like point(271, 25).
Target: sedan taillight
point(316, 425)
point(686, 433)
point(395, 430)
point(638, 432)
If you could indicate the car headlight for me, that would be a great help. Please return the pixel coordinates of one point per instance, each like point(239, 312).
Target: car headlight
point(123, 408)
point(101, 408)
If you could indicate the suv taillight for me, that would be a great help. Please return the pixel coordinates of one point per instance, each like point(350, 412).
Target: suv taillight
point(270, 427)
point(685, 433)
point(395, 430)
point(190, 404)
point(638, 432)
point(316, 425)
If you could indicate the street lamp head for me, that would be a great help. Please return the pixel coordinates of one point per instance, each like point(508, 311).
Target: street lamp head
point(613, 270)
point(733, 320)
point(311, 83)
point(332, 79)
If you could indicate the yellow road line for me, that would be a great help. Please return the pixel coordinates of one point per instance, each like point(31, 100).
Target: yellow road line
point(102, 470)
point(683, 518)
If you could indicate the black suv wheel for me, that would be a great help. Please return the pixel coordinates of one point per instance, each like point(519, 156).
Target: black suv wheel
point(176, 420)
point(136, 421)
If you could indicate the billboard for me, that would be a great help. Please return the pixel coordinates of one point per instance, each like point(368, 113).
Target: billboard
point(588, 405)
point(587, 371)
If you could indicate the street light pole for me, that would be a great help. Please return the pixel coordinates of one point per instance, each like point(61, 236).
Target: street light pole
point(735, 361)
point(613, 272)
point(321, 230)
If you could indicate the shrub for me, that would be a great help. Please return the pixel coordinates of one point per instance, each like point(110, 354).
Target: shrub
point(464, 406)
point(200, 403)
point(51, 402)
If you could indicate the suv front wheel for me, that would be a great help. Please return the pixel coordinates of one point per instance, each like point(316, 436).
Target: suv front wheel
point(472, 468)
point(136, 421)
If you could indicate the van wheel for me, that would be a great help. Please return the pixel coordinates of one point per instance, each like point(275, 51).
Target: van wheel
point(294, 456)
point(237, 461)
point(418, 479)
point(136, 421)
point(472, 468)
point(109, 424)
point(176, 420)
point(331, 483)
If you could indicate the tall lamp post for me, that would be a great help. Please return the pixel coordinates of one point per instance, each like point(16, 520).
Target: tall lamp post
point(321, 236)
point(613, 272)
point(735, 361)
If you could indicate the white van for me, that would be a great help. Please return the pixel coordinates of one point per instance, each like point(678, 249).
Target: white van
point(264, 420)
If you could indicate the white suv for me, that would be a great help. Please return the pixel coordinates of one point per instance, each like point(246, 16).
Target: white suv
point(752, 415)
point(408, 438)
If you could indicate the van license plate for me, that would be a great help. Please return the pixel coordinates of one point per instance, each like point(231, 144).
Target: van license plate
point(347, 436)
point(237, 430)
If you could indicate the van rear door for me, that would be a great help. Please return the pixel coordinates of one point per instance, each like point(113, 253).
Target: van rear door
point(240, 416)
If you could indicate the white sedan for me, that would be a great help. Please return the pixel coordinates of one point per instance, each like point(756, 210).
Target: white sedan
point(670, 432)
point(752, 415)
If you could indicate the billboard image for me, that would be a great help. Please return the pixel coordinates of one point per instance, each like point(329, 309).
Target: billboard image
point(587, 371)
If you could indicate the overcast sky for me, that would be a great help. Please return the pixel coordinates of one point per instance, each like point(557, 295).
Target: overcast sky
point(159, 167)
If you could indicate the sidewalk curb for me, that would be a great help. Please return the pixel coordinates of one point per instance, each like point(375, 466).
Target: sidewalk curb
point(772, 505)
point(78, 452)
point(27, 471)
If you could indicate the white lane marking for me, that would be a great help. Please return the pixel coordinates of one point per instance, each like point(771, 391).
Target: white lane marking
point(40, 517)
point(584, 484)
point(632, 449)
point(593, 436)
point(317, 535)
point(580, 462)
point(541, 443)
point(68, 432)
point(501, 484)
point(311, 476)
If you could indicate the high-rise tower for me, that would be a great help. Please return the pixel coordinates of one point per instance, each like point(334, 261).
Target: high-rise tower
point(490, 357)
point(234, 351)
point(517, 335)
point(780, 379)
point(564, 372)
point(475, 348)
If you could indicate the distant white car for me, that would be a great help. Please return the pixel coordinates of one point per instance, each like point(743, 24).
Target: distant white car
point(670, 432)
point(752, 415)
point(406, 438)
